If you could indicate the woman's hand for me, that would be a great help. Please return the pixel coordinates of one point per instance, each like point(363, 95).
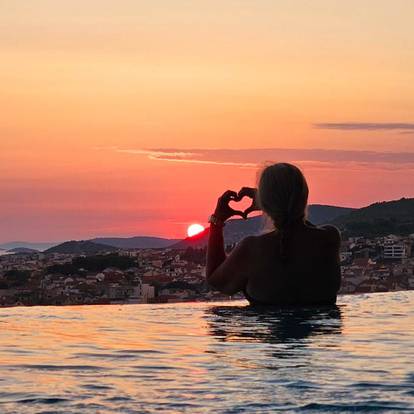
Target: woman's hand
point(223, 210)
point(251, 193)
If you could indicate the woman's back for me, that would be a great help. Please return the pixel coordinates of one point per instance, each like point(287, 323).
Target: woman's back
point(309, 274)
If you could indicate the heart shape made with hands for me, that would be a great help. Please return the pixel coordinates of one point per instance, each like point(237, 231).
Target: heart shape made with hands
point(242, 203)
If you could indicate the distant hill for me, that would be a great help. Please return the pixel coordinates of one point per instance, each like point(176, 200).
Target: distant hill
point(321, 214)
point(139, 242)
point(22, 250)
point(379, 219)
point(236, 229)
point(80, 247)
point(29, 245)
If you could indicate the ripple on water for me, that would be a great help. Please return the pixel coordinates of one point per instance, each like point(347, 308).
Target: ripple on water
point(97, 387)
point(366, 406)
point(64, 368)
point(42, 400)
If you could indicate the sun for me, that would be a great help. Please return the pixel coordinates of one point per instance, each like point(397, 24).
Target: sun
point(194, 229)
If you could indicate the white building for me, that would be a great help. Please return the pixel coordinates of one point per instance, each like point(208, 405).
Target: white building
point(395, 251)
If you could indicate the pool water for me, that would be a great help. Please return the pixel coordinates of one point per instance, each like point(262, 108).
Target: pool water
point(209, 357)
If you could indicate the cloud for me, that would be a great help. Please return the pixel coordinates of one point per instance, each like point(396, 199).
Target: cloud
point(367, 126)
point(306, 158)
point(191, 157)
point(159, 153)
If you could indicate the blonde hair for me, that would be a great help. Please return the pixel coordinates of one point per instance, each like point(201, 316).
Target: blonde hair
point(283, 196)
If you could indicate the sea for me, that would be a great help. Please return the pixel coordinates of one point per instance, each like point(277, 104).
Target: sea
point(222, 357)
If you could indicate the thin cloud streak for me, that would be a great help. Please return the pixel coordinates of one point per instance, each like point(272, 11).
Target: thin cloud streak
point(366, 126)
point(165, 152)
point(180, 156)
point(194, 161)
point(307, 158)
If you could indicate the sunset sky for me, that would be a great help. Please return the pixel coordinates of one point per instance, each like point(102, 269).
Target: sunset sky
point(130, 118)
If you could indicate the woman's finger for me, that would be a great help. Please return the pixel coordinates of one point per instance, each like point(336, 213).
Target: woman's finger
point(252, 208)
point(228, 195)
point(237, 213)
point(248, 210)
point(247, 191)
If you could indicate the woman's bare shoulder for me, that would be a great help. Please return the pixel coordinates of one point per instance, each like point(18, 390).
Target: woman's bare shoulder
point(248, 242)
point(257, 244)
point(251, 243)
point(332, 233)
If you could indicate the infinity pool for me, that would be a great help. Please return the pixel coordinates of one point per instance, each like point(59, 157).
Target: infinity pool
point(209, 357)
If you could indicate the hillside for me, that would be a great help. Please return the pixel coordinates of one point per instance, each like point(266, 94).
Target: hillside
point(379, 219)
point(321, 214)
point(139, 242)
point(80, 247)
point(20, 250)
point(29, 245)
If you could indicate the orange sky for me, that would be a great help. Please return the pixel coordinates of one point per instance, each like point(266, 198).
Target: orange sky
point(85, 88)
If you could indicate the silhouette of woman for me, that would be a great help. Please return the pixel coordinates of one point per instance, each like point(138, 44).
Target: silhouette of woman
point(296, 264)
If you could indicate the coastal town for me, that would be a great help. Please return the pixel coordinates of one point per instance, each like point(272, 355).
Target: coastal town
point(168, 275)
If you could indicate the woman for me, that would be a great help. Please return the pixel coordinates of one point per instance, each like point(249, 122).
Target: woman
point(296, 264)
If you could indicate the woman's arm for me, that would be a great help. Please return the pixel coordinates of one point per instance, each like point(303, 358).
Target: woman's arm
point(216, 254)
point(227, 274)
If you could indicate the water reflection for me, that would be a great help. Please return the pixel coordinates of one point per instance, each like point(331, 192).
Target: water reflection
point(207, 358)
point(275, 325)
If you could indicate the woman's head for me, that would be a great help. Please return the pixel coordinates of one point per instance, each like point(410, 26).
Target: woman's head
point(283, 193)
